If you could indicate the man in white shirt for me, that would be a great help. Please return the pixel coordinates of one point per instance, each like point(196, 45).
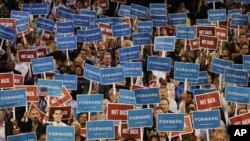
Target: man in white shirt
point(57, 115)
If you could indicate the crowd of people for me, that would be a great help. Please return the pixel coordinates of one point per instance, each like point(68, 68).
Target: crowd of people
point(173, 97)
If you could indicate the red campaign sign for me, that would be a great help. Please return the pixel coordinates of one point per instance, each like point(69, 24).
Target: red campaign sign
point(221, 33)
point(229, 24)
point(26, 55)
point(127, 20)
point(18, 79)
point(8, 22)
point(169, 29)
point(6, 80)
point(188, 128)
point(208, 42)
point(135, 87)
point(58, 101)
point(118, 111)
point(194, 44)
point(130, 133)
point(208, 101)
point(205, 30)
point(31, 92)
point(243, 119)
point(41, 52)
point(104, 4)
point(42, 114)
point(119, 1)
point(66, 112)
point(105, 29)
point(83, 132)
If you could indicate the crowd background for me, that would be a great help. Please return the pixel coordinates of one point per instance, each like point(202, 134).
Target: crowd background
point(106, 55)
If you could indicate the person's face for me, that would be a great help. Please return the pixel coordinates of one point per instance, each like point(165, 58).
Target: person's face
point(42, 43)
point(163, 93)
point(1, 116)
point(34, 115)
point(43, 137)
point(243, 38)
point(245, 49)
point(19, 46)
point(78, 71)
point(164, 105)
point(57, 116)
point(83, 54)
point(157, 112)
point(83, 118)
point(107, 60)
point(154, 139)
point(51, 17)
point(225, 55)
point(242, 111)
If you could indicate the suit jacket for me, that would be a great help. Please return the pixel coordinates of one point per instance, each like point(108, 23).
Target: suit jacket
point(27, 127)
point(8, 129)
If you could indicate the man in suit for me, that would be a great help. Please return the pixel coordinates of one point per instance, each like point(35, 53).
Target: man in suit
point(6, 128)
point(83, 54)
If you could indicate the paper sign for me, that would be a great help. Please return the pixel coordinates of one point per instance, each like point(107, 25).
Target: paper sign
point(138, 11)
point(147, 96)
point(238, 77)
point(80, 36)
point(7, 33)
point(158, 9)
point(63, 133)
point(6, 80)
point(19, 15)
point(130, 133)
point(177, 19)
point(219, 65)
point(18, 79)
point(202, 22)
point(203, 78)
point(92, 73)
point(88, 13)
point(100, 130)
point(222, 33)
point(208, 101)
point(126, 97)
point(206, 119)
point(186, 70)
point(89, 103)
point(231, 26)
point(69, 81)
point(233, 11)
point(203, 91)
point(66, 13)
point(145, 26)
point(185, 32)
point(159, 20)
point(8, 22)
point(59, 101)
point(240, 119)
point(21, 25)
point(66, 112)
point(65, 27)
point(23, 137)
point(66, 43)
point(112, 75)
point(42, 65)
point(118, 111)
point(237, 94)
point(105, 29)
point(205, 30)
point(159, 63)
point(164, 43)
point(217, 15)
point(26, 55)
point(13, 98)
point(194, 44)
point(45, 24)
point(121, 30)
point(92, 35)
point(141, 38)
point(31, 92)
point(188, 128)
point(124, 10)
point(132, 69)
point(246, 62)
point(104, 4)
point(39, 9)
point(208, 42)
point(169, 122)
point(52, 87)
point(238, 66)
point(128, 54)
point(239, 20)
point(140, 118)
point(81, 21)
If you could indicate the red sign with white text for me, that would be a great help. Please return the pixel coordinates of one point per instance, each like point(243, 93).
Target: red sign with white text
point(83, 132)
point(130, 133)
point(229, 24)
point(105, 29)
point(222, 33)
point(58, 101)
point(205, 30)
point(208, 101)
point(208, 42)
point(31, 92)
point(26, 55)
point(243, 119)
point(118, 111)
point(194, 44)
point(104, 4)
point(42, 114)
point(18, 79)
point(6, 80)
point(66, 112)
point(41, 52)
point(188, 128)
point(8, 22)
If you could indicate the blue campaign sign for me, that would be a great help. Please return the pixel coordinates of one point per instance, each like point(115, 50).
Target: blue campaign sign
point(219, 65)
point(13, 98)
point(89, 103)
point(238, 77)
point(159, 20)
point(23, 137)
point(96, 130)
point(81, 21)
point(39, 9)
point(124, 10)
point(66, 13)
point(141, 38)
point(109, 20)
point(233, 11)
point(133, 69)
point(69, 81)
point(203, 91)
point(42, 65)
point(147, 96)
point(164, 43)
point(203, 78)
point(239, 20)
point(158, 9)
point(170, 122)
point(66, 43)
point(80, 36)
point(140, 118)
point(128, 54)
point(237, 94)
point(206, 119)
point(192, 81)
point(21, 25)
point(138, 11)
point(45, 24)
point(92, 73)
point(238, 66)
point(126, 97)
point(92, 35)
point(60, 133)
point(145, 26)
point(7, 33)
point(112, 75)
point(19, 15)
point(211, 1)
point(202, 22)
point(159, 63)
point(246, 62)
point(53, 87)
point(242, 1)
point(217, 15)
point(88, 13)
point(177, 19)
point(26, 7)
point(185, 32)
point(121, 30)
point(65, 27)
point(186, 70)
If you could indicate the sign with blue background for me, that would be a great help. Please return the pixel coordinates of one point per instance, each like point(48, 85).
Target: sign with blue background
point(80, 36)
point(238, 66)
point(186, 70)
point(23, 137)
point(170, 122)
point(141, 38)
point(219, 65)
point(54, 87)
point(128, 54)
point(89, 103)
point(45, 24)
point(112, 75)
point(246, 62)
point(237, 94)
point(202, 22)
point(121, 30)
point(100, 130)
point(66, 13)
point(217, 15)
point(238, 77)
point(81, 21)
point(19, 15)
point(177, 19)
point(7, 33)
point(242, 1)
point(133, 69)
point(66, 43)
point(138, 11)
point(92, 16)
point(65, 27)
point(185, 32)
point(233, 11)
point(164, 43)
point(147, 96)
point(42, 65)
point(21, 25)
point(158, 9)
point(126, 97)
point(140, 118)
point(69, 81)
point(92, 73)
point(203, 91)
point(239, 20)
point(39, 9)
point(60, 133)
point(92, 35)
point(13, 98)
point(203, 78)
point(206, 119)
point(159, 20)
point(145, 26)
point(124, 10)
point(158, 63)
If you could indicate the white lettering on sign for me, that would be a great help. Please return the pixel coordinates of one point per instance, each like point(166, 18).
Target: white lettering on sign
point(12, 97)
point(211, 100)
point(60, 134)
point(114, 112)
point(206, 118)
point(139, 117)
point(5, 80)
point(30, 93)
point(100, 128)
point(170, 121)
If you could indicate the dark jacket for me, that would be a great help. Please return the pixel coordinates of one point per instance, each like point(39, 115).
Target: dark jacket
point(27, 127)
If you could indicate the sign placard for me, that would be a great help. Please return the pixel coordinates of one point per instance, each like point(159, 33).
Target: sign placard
point(185, 32)
point(130, 133)
point(159, 20)
point(66, 112)
point(19, 15)
point(21, 25)
point(62, 133)
point(240, 119)
point(13, 98)
point(238, 77)
point(92, 73)
point(42, 65)
point(140, 118)
point(39, 9)
point(237, 94)
point(18, 79)
point(170, 122)
point(6, 80)
point(238, 66)
point(222, 33)
point(7, 33)
point(112, 75)
point(138, 11)
point(215, 15)
point(69, 81)
point(92, 35)
point(246, 62)
point(31, 92)
point(105, 29)
point(132, 69)
point(208, 101)
point(203, 78)
point(164, 43)
point(100, 130)
point(158, 9)
point(121, 30)
point(209, 42)
point(206, 119)
point(128, 54)
point(233, 11)
point(8, 22)
point(66, 43)
point(186, 70)
point(203, 91)
point(126, 97)
point(89, 103)
point(141, 38)
point(53, 87)
point(188, 128)
point(45, 24)
point(81, 21)
point(219, 65)
point(23, 137)
point(66, 13)
point(177, 19)
point(65, 27)
point(202, 22)
point(80, 36)
point(239, 20)
point(147, 96)
point(145, 26)
point(26, 55)
point(194, 44)
point(205, 30)
point(118, 111)
point(60, 101)
point(124, 10)
point(159, 63)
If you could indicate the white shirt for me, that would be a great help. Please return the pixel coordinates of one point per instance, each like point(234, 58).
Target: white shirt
point(22, 67)
point(60, 124)
point(2, 132)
